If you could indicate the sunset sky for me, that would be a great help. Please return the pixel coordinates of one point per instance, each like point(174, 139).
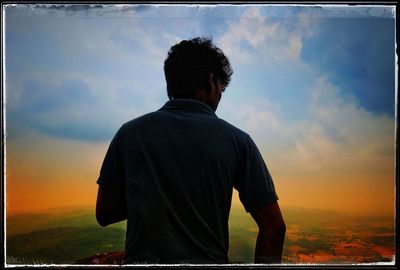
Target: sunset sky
point(313, 86)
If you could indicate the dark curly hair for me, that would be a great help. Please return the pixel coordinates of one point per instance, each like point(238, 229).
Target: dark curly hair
point(189, 64)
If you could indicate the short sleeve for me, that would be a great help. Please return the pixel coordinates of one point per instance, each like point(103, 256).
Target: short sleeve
point(112, 169)
point(254, 184)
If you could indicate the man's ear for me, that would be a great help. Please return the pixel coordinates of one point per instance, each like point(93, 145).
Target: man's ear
point(213, 82)
point(215, 79)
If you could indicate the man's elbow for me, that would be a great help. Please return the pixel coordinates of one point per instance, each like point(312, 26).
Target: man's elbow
point(101, 222)
point(101, 219)
point(105, 217)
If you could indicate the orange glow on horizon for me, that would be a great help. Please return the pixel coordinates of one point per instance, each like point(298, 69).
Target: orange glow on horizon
point(65, 174)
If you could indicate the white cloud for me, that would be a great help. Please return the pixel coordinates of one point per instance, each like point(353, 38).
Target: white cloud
point(261, 120)
point(124, 81)
point(361, 138)
point(269, 40)
point(94, 113)
point(335, 135)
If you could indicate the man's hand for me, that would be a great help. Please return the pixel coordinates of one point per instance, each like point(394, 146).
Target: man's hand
point(271, 234)
point(110, 206)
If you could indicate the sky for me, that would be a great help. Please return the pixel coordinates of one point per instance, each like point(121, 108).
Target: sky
point(314, 86)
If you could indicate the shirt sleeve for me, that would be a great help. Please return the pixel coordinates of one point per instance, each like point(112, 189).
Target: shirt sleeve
point(255, 185)
point(112, 169)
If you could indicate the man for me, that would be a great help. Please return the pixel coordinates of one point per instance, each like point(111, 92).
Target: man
point(170, 173)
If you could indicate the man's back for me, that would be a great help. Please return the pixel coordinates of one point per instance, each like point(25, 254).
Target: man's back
point(180, 165)
point(171, 173)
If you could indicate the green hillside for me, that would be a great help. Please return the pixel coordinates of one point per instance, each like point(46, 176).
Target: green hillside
point(64, 237)
point(24, 223)
point(53, 238)
point(241, 246)
point(63, 244)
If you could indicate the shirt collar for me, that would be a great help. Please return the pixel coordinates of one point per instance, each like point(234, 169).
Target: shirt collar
point(187, 104)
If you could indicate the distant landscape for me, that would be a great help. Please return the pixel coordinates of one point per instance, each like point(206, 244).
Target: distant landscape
point(72, 236)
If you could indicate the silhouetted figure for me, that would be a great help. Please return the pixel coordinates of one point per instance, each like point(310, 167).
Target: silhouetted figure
point(171, 173)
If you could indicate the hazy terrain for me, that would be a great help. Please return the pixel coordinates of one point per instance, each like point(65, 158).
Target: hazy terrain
point(66, 236)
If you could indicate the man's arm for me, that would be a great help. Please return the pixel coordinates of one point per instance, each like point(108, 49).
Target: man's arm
point(110, 205)
point(271, 234)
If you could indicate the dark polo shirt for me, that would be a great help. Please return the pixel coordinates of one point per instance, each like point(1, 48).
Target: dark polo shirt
point(178, 166)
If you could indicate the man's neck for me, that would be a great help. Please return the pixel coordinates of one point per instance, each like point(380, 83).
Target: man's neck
point(205, 97)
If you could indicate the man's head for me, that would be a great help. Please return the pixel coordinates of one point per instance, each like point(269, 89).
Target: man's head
point(197, 69)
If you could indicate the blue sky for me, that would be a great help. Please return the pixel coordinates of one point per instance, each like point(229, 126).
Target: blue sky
point(314, 86)
point(275, 57)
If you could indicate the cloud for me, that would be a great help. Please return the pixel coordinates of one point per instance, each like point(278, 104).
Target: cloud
point(360, 138)
point(255, 37)
point(57, 108)
point(335, 136)
point(73, 106)
point(91, 82)
point(358, 54)
point(329, 129)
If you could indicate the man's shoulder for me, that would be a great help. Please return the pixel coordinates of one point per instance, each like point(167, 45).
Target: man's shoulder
point(153, 119)
point(144, 119)
point(233, 129)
